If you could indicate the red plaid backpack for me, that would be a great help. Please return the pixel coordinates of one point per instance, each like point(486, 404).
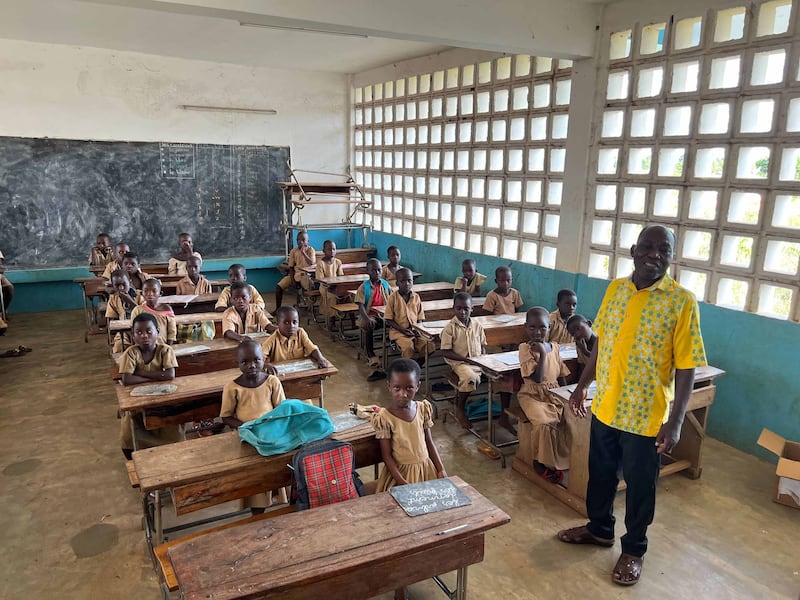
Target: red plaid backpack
point(324, 472)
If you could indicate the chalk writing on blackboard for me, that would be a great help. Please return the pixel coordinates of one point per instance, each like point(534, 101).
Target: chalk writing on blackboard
point(177, 160)
point(428, 497)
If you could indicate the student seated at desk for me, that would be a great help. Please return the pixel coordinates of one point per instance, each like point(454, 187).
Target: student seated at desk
point(463, 338)
point(566, 303)
point(390, 269)
point(168, 331)
point(251, 395)
point(194, 283)
point(404, 431)
point(503, 300)
point(177, 264)
point(130, 264)
point(541, 367)
point(373, 292)
point(290, 342)
point(300, 256)
point(237, 273)
point(120, 250)
point(243, 317)
point(580, 328)
point(471, 280)
point(101, 253)
point(403, 311)
point(148, 360)
point(120, 306)
point(8, 292)
point(329, 266)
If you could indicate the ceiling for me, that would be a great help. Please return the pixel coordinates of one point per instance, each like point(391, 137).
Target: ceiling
point(210, 30)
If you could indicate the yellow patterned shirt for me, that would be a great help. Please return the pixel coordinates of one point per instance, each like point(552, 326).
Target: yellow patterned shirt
point(644, 335)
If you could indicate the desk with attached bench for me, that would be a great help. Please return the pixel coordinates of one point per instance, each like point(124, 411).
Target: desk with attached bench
point(686, 456)
point(352, 550)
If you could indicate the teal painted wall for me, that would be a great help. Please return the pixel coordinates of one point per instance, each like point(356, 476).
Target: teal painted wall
point(759, 354)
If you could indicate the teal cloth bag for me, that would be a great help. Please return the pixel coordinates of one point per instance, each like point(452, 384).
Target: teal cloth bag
point(289, 425)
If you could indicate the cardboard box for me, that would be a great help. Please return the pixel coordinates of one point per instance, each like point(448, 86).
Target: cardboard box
point(787, 480)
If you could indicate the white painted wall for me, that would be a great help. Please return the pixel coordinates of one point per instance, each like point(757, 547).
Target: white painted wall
point(58, 91)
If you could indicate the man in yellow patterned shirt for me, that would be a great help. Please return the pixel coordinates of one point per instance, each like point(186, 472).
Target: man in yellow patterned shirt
point(649, 344)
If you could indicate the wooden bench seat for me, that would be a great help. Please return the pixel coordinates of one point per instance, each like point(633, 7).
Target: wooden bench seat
point(132, 476)
point(161, 551)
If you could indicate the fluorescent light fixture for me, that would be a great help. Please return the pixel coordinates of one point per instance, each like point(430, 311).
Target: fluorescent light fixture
point(258, 111)
point(303, 29)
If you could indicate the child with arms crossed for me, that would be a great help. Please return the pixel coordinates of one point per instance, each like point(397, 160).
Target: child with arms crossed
point(290, 342)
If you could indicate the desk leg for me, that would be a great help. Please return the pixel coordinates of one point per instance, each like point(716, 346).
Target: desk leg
point(489, 416)
point(158, 522)
point(321, 395)
point(461, 584)
point(133, 430)
point(383, 343)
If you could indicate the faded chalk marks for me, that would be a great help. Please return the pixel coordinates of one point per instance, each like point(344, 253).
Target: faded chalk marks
point(23, 467)
point(95, 540)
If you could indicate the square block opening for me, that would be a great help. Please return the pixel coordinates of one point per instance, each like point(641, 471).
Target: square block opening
point(737, 251)
point(757, 116)
point(607, 161)
point(634, 200)
point(671, 162)
point(695, 282)
point(685, 77)
point(703, 205)
point(624, 266)
point(709, 163)
point(729, 24)
point(613, 122)
point(618, 82)
point(678, 121)
point(666, 203)
point(775, 301)
point(513, 191)
point(539, 128)
point(530, 222)
point(529, 253)
point(599, 265)
point(554, 191)
point(536, 159)
point(715, 118)
point(774, 17)
point(605, 197)
point(688, 33)
point(639, 160)
point(652, 38)
point(753, 162)
point(620, 45)
point(629, 234)
point(744, 207)
point(786, 213)
point(520, 98)
point(650, 82)
point(732, 293)
point(510, 248)
point(725, 72)
point(768, 67)
point(643, 122)
point(696, 245)
point(790, 165)
point(782, 257)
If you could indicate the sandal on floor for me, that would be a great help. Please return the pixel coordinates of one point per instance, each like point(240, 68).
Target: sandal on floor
point(373, 362)
point(376, 375)
point(11, 353)
point(627, 570)
point(582, 535)
point(487, 450)
point(24, 349)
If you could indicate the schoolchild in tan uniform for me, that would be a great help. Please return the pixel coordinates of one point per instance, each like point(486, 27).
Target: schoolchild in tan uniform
point(566, 303)
point(251, 395)
point(403, 311)
point(300, 256)
point(503, 300)
point(167, 329)
point(462, 338)
point(290, 342)
point(471, 280)
point(238, 272)
point(541, 367)
point(390, 269)
point(329, 266)
point(177, 263)
point(130, 264)
point(147, 361)
point(193, 283)
point(101, 253)
point(120, 306)
point(373, 292)
point(243, 317)
point(120, 250)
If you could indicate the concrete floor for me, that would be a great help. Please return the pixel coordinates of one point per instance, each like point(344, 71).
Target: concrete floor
point(72, 522)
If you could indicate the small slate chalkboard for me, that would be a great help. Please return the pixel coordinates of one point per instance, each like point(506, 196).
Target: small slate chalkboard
point(428, 497)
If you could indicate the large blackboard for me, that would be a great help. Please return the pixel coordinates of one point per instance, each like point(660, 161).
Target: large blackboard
point(57, 195)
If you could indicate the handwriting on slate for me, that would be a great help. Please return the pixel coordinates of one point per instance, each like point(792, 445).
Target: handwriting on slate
point(430, 496)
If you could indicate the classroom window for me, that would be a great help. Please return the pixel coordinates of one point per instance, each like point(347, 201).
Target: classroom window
point(699, 132)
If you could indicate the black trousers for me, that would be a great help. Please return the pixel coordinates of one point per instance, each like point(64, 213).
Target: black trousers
point(609, 449)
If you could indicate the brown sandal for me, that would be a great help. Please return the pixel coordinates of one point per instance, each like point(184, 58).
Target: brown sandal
point(582, 535)
point(627, 570)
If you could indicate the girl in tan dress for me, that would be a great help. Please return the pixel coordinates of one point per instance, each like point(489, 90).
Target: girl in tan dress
point(541, 366)
point(404, 431)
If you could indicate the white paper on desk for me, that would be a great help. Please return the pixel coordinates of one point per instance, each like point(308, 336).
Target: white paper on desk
point(184, 299)
point(158, 389)
point(295, 366)
point(189, 350)
point(505, 318)
point(258, 334)
point(568, 352)
point(436, 324)
point(591, 391)
point(346, 420)
point(510, 358)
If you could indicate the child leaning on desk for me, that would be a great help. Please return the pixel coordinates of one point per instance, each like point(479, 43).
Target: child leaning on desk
point(290, 342)
point(120, 305)
point(193, 283)
point(471, 280)
point(404, 431)
point(251, 395)
point(243, 317)
point(177, 263)
point(566, 303)
point(580, 328)
point(147, 361)
point(541, 367)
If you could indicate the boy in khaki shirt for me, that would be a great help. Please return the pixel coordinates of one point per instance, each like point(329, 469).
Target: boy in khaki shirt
point(237, 272)
point(300, 256)
point(566, 302)
point(403, 311)
point(290, 342)
point(463, 338)
point(243, 317)
point(329, 266)
point(503, 300)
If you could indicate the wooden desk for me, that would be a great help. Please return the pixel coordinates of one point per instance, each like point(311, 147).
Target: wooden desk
point(351, 255)
point(345, 284)
point(186, 319)
point(348, 268)
point(349, 551)
point(211, 470)
point(198, 304)
point(200, 396)
point(149, 268)
point(499, 329)
point(438, 310)
point(435, 290)
point(504, 377)
point(686, 456)
point(93, 289)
